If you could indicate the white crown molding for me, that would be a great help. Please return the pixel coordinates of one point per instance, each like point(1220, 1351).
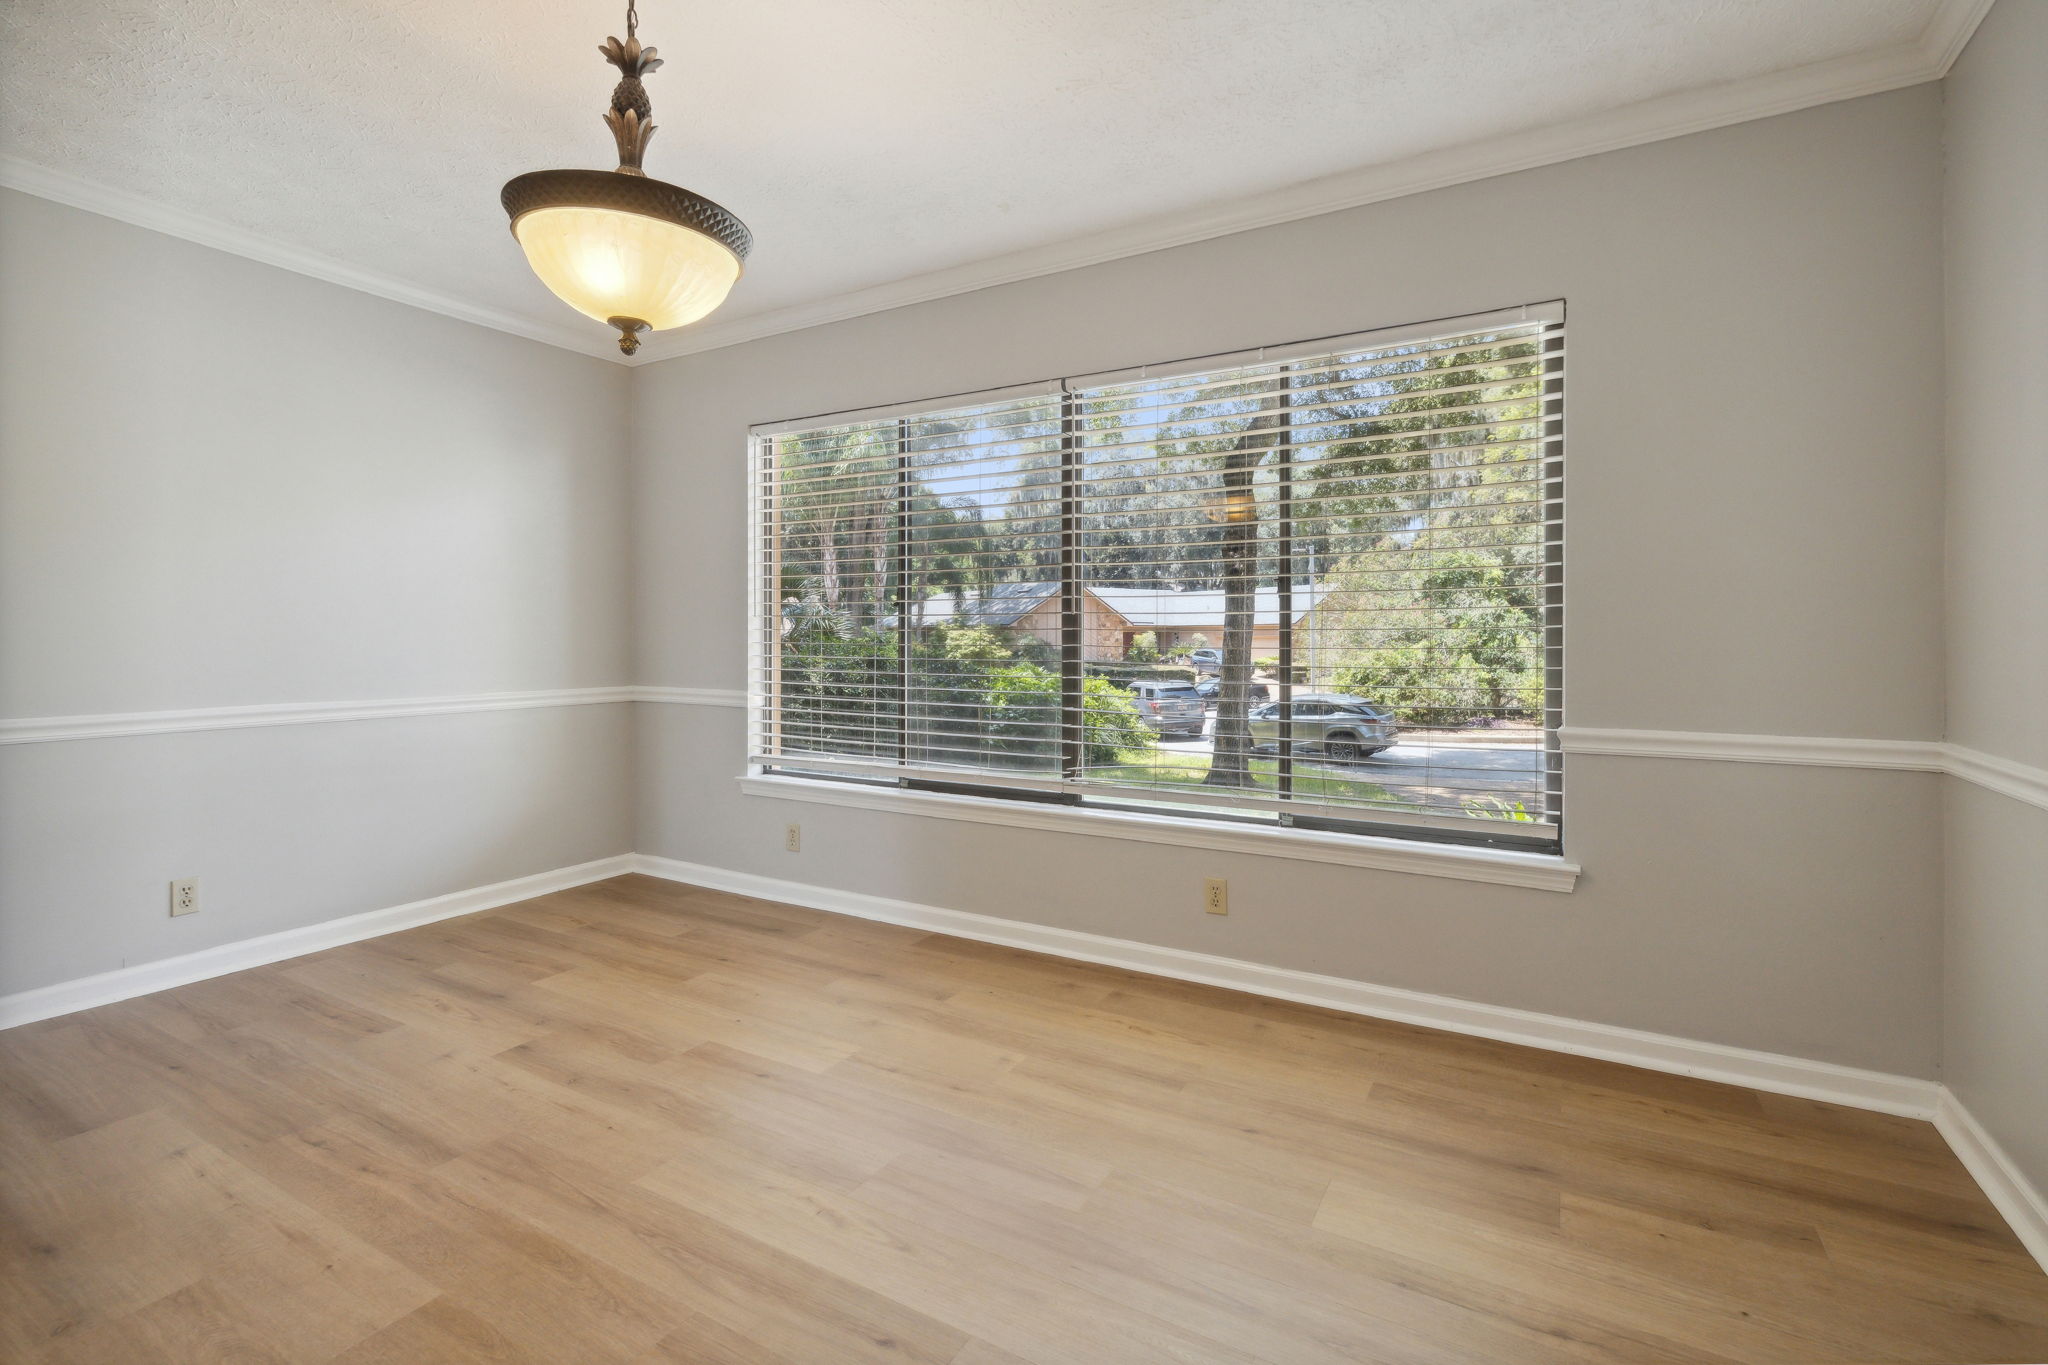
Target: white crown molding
point(2015, 1197)
point(1909, 755)
point(1950, 30)
point(2006, 776)
point(48, 729)
point(126, 207)
point(67, 997)
point(1676, 115)
point(1669, 116)
point(1656, 1051)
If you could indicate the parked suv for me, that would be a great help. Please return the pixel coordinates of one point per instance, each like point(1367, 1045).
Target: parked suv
point(1171, 708)
point(1207, 660)
point(1338, 726)
point(1207, 689)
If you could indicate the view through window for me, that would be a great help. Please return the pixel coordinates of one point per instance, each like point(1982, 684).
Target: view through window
point(1318, 586)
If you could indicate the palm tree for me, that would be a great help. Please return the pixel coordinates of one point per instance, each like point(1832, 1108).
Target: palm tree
point(1238, 566)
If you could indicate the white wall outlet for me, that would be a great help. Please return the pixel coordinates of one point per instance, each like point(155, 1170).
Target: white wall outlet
point(185, 896)
point(1216, 895)
point(793, 838)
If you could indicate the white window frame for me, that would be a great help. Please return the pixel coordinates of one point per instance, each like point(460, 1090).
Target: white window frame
point(1536, 869)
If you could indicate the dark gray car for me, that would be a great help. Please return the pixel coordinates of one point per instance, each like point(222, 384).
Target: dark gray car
point(1170, 708)
point(1332, 724)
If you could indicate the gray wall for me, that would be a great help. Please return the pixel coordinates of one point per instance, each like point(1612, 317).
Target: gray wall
point(1995, 1055)
point(1754, 547)
point(222, 484)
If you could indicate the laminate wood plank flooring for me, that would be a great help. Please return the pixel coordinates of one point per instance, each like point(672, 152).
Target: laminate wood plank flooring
point(642, 1122)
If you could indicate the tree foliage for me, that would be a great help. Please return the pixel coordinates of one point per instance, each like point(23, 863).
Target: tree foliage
point(971, 698)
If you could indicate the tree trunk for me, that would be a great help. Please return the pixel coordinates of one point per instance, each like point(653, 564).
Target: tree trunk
point(1238, 563)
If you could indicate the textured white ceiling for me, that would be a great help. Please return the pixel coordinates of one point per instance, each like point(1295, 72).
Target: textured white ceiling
point(864, 141)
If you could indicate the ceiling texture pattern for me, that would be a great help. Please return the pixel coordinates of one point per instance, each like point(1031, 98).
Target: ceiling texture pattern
point(881, 150)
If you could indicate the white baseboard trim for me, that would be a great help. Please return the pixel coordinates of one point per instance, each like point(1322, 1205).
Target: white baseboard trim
point(2024, 1207)
point(2017, 1200)
point(67, 997)
point(1779, 1074)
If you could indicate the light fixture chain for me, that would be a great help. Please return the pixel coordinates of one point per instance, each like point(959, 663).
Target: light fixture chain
point(632, 19)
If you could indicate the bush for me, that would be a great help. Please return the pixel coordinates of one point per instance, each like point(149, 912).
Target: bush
point(1023, 715)
point(969, 642)
point(1113, 726)
point(971, 697)
point(1029, 646)
point(1430, 682)
point(1144, 648)
point(822, 672)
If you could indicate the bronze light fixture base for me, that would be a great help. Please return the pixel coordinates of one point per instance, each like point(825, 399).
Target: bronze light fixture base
point(629, 191)
point(629, 332)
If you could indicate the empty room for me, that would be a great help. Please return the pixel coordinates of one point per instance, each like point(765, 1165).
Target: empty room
point(1272, 682)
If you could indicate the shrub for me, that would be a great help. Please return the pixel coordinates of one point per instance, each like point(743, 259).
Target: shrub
point(1426, 682)
point(970, 642)
point(1144, 648)
point(1023, 715)
point(1113, 726)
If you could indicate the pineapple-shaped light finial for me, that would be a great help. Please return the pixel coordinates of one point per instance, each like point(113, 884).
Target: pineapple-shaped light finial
point(630, 108)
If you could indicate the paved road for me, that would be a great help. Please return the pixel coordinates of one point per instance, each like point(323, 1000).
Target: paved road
point(1508, 766)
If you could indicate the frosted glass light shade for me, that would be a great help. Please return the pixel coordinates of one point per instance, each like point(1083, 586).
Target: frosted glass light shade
point(607, 263)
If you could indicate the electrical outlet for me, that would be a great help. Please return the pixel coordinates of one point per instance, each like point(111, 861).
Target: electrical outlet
point(793, 838)
point(1216, 895)
point(185, 896)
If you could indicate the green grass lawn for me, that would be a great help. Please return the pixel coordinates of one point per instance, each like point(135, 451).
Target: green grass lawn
point(1165, 767)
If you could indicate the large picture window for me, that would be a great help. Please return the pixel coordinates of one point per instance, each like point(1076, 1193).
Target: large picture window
point(1318, 586)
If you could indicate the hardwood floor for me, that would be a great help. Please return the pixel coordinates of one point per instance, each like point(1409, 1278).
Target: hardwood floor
point(642, 1122)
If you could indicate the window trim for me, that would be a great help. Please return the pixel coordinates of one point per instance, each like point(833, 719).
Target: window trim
point(1461, 862)
point(1546, 870)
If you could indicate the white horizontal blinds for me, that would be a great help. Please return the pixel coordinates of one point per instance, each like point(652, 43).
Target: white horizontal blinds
point(1385, 517)
point(829, 511)
point(907, 551)
point(1368, 533)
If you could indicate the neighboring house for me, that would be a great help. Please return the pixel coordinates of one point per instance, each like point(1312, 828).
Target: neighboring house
point(1177, 617)
point(1031, 609)
point(1112, 617)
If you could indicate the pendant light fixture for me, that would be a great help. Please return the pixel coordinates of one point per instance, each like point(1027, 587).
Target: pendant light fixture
point(635, 253)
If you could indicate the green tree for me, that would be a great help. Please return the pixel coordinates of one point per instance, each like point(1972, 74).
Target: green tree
point(1431, 504)
point(1238, 565)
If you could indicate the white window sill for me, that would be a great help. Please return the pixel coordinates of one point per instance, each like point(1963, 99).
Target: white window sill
point(1505, 867)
